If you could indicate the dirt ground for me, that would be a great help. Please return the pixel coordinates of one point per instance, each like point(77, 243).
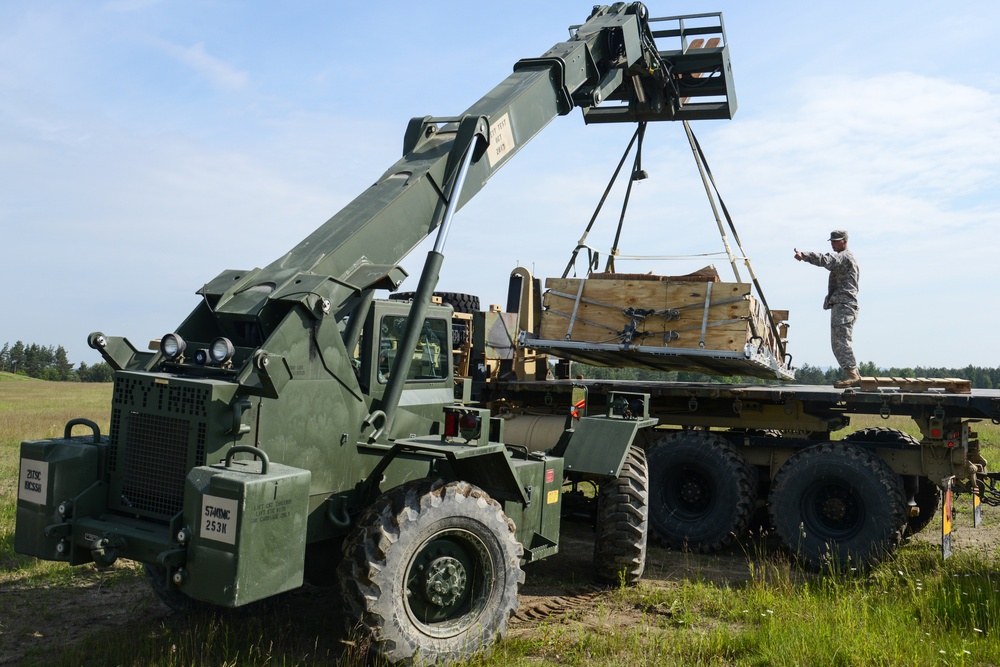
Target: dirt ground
point(55, 618)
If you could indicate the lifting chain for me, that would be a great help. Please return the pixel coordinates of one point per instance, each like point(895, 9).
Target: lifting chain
point(988, 491)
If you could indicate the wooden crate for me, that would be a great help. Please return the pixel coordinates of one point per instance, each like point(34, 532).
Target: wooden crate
point(601, 306)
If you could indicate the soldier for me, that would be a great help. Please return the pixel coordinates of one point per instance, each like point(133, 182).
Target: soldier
point(841, 300)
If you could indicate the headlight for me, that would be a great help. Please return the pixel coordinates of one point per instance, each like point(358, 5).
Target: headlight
point(222, 350)
point(172, 346)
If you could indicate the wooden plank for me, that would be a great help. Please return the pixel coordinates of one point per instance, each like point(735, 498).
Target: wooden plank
point(869, 383)
point(779, 315)
point(956, 385)
point(960, 386)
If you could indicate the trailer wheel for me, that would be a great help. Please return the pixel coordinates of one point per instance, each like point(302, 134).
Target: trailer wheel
point(928, 494)
point(462, 303)
point(623, 523)
point(702, 491)
point(837, 505)
point(431, 573)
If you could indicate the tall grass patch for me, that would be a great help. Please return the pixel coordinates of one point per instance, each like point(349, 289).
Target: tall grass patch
point(912, 610)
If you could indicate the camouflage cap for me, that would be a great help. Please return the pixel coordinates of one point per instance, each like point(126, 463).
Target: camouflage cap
point(838, 235)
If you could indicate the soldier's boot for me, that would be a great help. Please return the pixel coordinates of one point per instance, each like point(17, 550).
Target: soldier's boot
point(852, 379)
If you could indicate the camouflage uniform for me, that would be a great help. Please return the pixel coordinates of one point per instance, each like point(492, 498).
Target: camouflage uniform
point(841, 300)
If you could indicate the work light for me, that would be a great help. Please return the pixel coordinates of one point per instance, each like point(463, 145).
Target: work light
point(172, 346)
point(222, 350)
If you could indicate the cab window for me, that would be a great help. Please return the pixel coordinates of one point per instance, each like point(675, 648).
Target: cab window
point(430, 358)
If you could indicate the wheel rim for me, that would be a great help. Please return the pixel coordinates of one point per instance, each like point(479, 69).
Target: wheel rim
point(832, 510)
point(688, 493)
point(449, 582)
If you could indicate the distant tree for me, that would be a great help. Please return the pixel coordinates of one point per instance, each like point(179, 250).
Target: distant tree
point(806, 374)
point(62, 365)
point(99, 372)
point(17, 358)
point(868, 369)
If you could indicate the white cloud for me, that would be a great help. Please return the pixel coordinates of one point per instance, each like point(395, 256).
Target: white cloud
point(215, 70)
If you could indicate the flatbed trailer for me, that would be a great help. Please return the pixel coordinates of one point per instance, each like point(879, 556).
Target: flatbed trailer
point(721, 451)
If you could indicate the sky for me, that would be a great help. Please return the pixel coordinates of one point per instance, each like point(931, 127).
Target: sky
point(148, 145)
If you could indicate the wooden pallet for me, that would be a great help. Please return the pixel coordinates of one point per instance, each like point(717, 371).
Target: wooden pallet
point(954, 385)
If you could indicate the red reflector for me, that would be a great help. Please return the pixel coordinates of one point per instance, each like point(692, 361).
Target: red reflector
point(951, 443)
point(935, 433)
point(451, 424)
point(550, 475)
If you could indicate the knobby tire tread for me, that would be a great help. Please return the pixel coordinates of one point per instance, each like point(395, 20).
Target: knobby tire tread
point(847, 465)
point(623, 523)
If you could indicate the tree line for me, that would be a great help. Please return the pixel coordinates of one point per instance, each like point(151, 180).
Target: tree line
point(49, 363)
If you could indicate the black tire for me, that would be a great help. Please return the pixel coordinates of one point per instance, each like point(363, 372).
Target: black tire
point(623, 523)
point(431, 573)
point(927, 496)
point(702, 492)
point(836, 505)
point(462, 303)
point(759, 519)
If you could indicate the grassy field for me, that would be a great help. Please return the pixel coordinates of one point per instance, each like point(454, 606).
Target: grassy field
point(750, 606)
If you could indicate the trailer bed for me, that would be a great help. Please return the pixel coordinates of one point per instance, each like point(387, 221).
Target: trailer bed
point(778, 406)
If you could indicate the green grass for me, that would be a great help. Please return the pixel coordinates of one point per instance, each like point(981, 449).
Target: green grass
point(914, 609)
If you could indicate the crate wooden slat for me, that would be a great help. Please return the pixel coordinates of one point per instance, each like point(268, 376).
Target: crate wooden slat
point(599, 316)
point(954, 385)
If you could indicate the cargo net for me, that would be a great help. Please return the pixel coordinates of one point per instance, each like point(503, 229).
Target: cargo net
point(694, 322)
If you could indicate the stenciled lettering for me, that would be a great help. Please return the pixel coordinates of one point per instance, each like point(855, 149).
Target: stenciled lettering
point(216, 512)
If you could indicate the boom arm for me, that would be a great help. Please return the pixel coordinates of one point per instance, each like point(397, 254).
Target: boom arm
point(332, 273)
point(611, 56)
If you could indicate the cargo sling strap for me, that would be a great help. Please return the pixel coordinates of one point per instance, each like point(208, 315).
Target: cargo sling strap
point(707, 173)
point(639, 174)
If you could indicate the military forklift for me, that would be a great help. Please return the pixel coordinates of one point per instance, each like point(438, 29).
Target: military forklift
point(299, 426)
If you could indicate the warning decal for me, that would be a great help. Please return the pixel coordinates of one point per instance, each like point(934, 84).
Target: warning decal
point(218, 519)
point(501, 140)
point(34, 483)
